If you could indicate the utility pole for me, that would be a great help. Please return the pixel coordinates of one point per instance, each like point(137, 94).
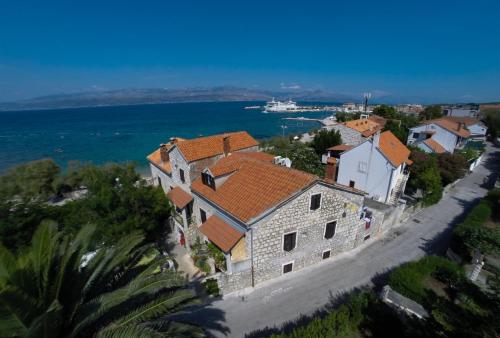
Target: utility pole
point(366, 97)
point(283, 127)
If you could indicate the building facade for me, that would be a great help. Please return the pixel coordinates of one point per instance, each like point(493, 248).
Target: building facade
point(377, 166)
point(449, 134)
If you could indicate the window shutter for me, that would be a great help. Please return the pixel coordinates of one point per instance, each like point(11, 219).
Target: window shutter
point(330, 229)
point(289, 241)
point(315, 201)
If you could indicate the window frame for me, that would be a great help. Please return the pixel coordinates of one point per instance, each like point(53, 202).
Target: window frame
point(182, 175)
point(203, 212)
point(283, 267)
point(335, 230)
point(362, 167)
point(283, 240)
point(320, 201)
point(353, 184)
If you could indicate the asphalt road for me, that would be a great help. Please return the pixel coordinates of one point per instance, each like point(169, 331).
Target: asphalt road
point(273, 303)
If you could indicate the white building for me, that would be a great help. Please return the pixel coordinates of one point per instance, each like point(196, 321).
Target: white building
point(462, 111)
point(439, 135)
point(376, 166)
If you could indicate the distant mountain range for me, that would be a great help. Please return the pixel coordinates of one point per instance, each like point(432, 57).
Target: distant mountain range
point(158, 95)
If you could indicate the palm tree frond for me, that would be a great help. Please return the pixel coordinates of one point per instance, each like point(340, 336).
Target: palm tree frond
point(129, 332)
point(156, 308)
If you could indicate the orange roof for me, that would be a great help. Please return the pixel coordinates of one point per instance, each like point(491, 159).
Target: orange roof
point(435, 147)
point(341, 147)
point(395, 151)
point(468, 121)
point(363, 125)
point(233, 162)
point(220, 233)
point(155, 158)
point(368, 133)
point(451, 126)
point(179, 197)
point(204, 147)
point(253, 187)
point(378, 119)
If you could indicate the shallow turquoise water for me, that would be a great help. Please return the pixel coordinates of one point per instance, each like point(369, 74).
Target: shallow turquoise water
point(127, 133)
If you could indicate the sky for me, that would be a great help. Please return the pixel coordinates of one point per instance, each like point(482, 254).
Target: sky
point(426, 51)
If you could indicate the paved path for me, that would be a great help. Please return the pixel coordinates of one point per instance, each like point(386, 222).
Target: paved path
point(302, 292)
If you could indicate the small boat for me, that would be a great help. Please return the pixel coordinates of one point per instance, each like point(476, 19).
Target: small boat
point(252, 107)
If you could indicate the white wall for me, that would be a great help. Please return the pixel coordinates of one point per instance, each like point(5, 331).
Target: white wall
point(442, 136)
point(166, 180)
point(178, 162)
point(477, 129)
point(376, 181)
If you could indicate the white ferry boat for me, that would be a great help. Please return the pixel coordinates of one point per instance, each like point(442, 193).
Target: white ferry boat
point(279, 107)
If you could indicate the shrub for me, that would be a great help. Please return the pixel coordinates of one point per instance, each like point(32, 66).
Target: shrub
point(211, 286)
point(451, 167)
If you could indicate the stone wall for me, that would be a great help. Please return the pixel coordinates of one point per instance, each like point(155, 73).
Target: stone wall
point(269, 256)
point(349, 136)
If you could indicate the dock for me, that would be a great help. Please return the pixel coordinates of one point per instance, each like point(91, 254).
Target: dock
point(325, 122)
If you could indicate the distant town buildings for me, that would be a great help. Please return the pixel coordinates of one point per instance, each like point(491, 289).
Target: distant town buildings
point(412, 109)
point(471, 110)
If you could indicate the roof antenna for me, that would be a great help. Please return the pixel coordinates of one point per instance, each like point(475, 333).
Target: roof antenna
point(366, 97)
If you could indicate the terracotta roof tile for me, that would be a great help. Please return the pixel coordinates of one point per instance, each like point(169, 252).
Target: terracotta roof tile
point(450, 125)
point(233, 162)
point(220, 233)
point(155, 158)
point(204, 147)
point(179, 197)
point(253, 187)
point(363, 125)
point(436, 147)
point(468, 121)
point(395, 151)
point(341, 147)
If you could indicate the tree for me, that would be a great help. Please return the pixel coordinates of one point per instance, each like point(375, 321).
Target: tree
point(431, 112)
point(325, 139)
point(31, 180)
point(424, 176)
point(302, 157)
point(451, 167)
point(386, 111)
point(395, 127)
point(118, 202)
point(58, 288)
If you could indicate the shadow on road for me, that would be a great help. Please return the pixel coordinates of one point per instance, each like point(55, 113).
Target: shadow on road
point(334, 301)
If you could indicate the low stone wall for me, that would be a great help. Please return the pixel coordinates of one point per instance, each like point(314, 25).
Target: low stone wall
point(233, 282)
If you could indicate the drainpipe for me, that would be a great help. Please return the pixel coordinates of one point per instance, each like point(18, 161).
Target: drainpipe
point(251, 256)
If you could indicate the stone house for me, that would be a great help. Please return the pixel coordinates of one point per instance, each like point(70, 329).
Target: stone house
point(270, 220)
point(175, 165)
point(357, 131)
point(439, 135)
point(377, 166)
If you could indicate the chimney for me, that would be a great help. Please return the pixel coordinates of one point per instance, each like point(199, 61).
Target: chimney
point(331, 168)
point(173, 140)
point(459, 126)
point(225, 145)
point(376, 139)
point(164, 153)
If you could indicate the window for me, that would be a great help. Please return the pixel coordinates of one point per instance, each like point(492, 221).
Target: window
point(315, 201)
point(288, 267)
point(181, 174)
point(362, 167)
point(159, 181)
point(416, 135)
point(208, 180)
point(203, 215)
point(330, 229)
point(326, 254)
point(289, 241)
point(366, 237)
point(351, 184)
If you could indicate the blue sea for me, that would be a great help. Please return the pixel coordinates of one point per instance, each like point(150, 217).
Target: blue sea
point(129, 133)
